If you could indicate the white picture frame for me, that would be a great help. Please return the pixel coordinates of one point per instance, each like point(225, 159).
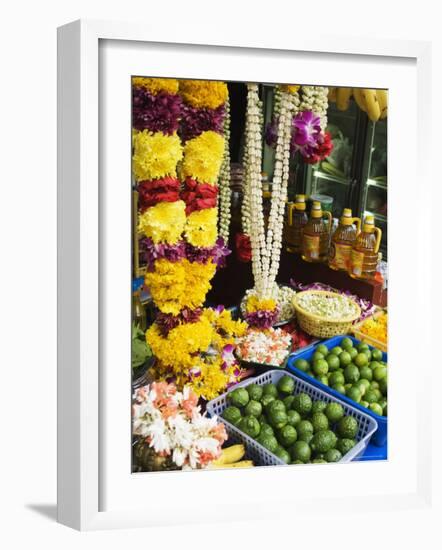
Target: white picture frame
point(95, 488)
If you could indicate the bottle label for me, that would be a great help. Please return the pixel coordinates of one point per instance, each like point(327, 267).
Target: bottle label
point(311, 246)
point(357, 261)
point(340, 255)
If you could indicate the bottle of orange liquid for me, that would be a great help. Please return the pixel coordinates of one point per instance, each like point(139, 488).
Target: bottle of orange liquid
point(364, 255)
point(342, 241)
point(316, 235)
point(297, 219)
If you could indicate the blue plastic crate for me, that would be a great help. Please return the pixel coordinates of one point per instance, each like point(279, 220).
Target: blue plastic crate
point(379, 438)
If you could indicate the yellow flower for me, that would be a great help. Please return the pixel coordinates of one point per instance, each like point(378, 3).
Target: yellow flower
point(155, 155)
point(289, 88)
point(155, 85)
point(203, 156)
point(163, 222)
point(197, 285)
point(376, 328)
point(255, 304)
point(167, 285)
point(204, 93)
point(224, 323)
point(201, 227)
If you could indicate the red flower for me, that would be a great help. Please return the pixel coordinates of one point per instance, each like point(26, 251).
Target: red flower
point(198, 196)
point(322, 150)
point(243, 247)
point(155, 191)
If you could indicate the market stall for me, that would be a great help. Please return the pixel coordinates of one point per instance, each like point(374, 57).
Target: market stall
point(259, 295)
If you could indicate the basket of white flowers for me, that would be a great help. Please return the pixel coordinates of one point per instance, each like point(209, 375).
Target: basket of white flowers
point(325, 314)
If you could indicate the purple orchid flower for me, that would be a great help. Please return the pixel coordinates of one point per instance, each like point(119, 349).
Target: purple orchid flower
point(306, 133)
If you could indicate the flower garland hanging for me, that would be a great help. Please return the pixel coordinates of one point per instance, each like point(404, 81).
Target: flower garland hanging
point(261, 309)
point(179, 223)
point(224, 182)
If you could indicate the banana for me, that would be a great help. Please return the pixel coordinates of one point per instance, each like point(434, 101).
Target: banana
point(373, 109)
point(357, 94)
point(382, 96)
point(241, 464)
point(229, 455)
point(343, 98)
point(332, 95)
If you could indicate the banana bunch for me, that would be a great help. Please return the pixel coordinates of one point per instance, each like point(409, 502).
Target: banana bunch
point(373, 102)
point(231, 458)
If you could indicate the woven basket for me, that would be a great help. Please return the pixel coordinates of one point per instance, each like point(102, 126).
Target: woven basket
point(323, 327)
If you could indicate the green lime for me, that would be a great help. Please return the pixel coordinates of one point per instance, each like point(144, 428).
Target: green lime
point(302, 364)
point(383, 386)
point(317, 355)
point(266, 400)
point(307, 437)
point(370, 396)
point(339, 388)
point(301, 451)
point(334, 412)
point(362, 346)
point(323, 441)
point(376, 408)
point(378, 394)
point(277, 418)
point(268, 441)
point(270, 389)
point(320, 366)
point(361, 360)
point(266, 429)
point(336, 377)
point(385, 410)
point(305, 426)
point(344, 358)
point(362, 386)
point(347, 427)
point(354, 393)
point(282, 454)
point(364, 403)
point(231, 414)
point(238, 397)
point(351, 374)
point(287, 435)
point(275, 405)
point(367, 352)
point(319, 461)
point(345, 445)
point(318, 406)
point(374, 365)
point(250, 426)
point(319, 421)
point(322, 348)
point(374, 385)
point(346, 343)
point(296, 462)
point(376, 354)
point(366, 373)
point(254, 391)
point(332, 361)
point(286, 384)
point(293, 418)
point(323, 379)
point(254, 408)
point(336, 350)
point(333, 455)
point(302, 404)
point(348, 386)
point(353, 352)
point(379, 373)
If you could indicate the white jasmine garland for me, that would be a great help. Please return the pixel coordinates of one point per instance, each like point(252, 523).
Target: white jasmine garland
point(224, 181)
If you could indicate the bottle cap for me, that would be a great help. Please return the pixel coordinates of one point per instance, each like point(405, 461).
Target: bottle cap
point(346, 218)
point(368, 224)
point(300, 202)
point(316, 211)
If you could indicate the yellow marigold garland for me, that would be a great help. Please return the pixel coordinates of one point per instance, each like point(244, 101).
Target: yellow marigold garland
point(155, 85)
point(197, 282)
point(289, 88)
point(255, 304)
point(203, 156)
point(167, 285)
point(203, 93)
point(163, 222)
point(201, 227)
point(155, 155)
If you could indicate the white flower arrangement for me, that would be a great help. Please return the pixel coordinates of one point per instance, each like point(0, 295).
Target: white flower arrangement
point(315, 98)
point(283, 296)
point(172, 425)
point(224, 181)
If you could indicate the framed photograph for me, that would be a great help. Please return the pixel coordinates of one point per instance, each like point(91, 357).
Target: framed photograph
point(231, 331)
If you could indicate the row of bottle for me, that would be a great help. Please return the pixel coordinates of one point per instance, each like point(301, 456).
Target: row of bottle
point(349, 249)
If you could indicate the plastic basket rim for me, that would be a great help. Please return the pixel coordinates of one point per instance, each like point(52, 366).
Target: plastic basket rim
point(281, 372)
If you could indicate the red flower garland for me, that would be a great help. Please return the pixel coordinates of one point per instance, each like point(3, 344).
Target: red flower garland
point(154, 191)
point(322, 151)
point(198, 196)
point(243, 247)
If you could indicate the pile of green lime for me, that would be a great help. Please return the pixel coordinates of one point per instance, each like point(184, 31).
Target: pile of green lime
point(356, 371)
point(292, 426)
